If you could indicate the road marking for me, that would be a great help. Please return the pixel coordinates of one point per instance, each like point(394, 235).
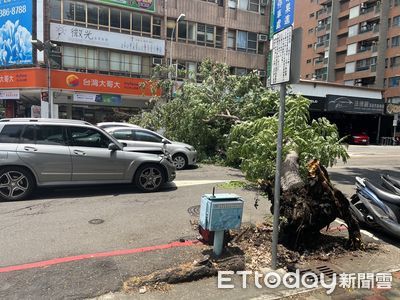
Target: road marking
point(182, 183)
point(46, 263)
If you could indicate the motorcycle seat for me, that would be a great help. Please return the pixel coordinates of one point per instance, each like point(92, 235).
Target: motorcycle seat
point(382, 194)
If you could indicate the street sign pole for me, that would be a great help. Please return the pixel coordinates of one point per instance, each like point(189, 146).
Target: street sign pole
point(277, 190)
point(283, 18)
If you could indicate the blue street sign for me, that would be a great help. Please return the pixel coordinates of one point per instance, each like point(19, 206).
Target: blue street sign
point(283, 14)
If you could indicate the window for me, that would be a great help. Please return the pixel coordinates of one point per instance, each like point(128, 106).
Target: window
point(231, 39)
point(146, 24)
point(136, 22)
point(11, 133)
point(145, 136)
point(308, 61)
point(156, 27)
point(115, 18)
point(69, 10)
point(28, 136)
point(125, 20)
point(353, 30)
point(312, 15)
point(93, 14)
point(352, 49)
point(125, 134)
point(88, 137)
point(103, 16)
point(49, 135)
point(350, 67)
point(354, 12)
point(55, 9)
point(201, 33)
point(241, 42)
point(396, 41)
point(394, 81)
point(396, 21)
point(107, 18)
point(309, 46)
point(80, 12)
point(395, 61)
point(191, 32)
point(311, 30)
point(182, 31)
point(68, 56)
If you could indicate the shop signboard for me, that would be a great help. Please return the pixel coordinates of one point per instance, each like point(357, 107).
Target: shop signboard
point(100, 84)
point(9, 94)
point(143, 5)
point(23, 78)
point(317, 103)
point(354, 104)
point(104, 39)
point(15, 32)
point(106, 99)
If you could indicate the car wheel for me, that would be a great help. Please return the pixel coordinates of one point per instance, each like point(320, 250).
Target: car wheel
point(149, 178)
point(179, 161)
point(16, 183)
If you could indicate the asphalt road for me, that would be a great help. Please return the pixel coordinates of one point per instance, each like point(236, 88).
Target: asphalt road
point(57, 224)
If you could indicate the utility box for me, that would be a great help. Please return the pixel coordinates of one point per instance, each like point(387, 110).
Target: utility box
point(221, 212)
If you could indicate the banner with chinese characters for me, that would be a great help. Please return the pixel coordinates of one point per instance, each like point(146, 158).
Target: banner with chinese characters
point(105, 39)
point(354, 104)
point(23, 78)
point(98, 98)
point(146, 5)
point(9, 94)
point(100, 84)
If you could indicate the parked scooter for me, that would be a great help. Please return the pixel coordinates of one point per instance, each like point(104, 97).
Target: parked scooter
point(376, 207)
point(391, 183)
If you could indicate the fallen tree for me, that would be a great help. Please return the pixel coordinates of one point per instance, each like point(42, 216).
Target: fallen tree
point(308, 206)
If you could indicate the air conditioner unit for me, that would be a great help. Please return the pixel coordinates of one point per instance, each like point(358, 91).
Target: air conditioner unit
point(263, 37)
point(262, 73)
point(157, 61)
point(363, 5)
point(264, 2)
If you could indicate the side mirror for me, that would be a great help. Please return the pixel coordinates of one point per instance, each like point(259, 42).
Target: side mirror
point(113, 147)
point(164, 147)
point(124, 144)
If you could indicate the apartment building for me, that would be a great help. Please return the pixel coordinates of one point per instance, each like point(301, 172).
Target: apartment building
point(90, 59)
point(353, 43)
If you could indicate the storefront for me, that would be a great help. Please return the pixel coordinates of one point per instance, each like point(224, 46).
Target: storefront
point(75, 95)
point(352, 109)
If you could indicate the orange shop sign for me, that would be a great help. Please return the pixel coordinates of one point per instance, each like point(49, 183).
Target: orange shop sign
point(23, 78)
point(88, 82)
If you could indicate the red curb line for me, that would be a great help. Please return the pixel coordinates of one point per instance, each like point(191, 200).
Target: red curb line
point(45, 263)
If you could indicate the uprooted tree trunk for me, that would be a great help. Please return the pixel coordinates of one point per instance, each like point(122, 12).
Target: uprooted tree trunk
point(308, 207)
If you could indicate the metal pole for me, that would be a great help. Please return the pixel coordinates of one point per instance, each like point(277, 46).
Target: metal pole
point(170, 53)
point(379, 130)
point(277, 191)
point(50, 96)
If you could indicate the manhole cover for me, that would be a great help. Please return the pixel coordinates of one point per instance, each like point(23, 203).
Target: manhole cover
point(194, 211)
point(96, 221)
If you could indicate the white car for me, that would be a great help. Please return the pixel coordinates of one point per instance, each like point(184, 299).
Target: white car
point(182, 154)
point(104, 125)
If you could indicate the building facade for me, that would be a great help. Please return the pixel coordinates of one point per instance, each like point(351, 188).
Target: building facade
point(354, 43)
point(91, 59)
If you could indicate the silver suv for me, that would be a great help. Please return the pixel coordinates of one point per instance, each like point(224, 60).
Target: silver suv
point(54, 152)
